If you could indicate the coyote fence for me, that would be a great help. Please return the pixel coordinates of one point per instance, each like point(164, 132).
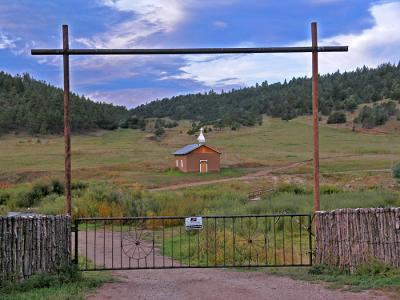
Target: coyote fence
point(33, 244)
point(347, 238)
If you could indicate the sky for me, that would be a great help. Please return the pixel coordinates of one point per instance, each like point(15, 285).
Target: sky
point(371, 29)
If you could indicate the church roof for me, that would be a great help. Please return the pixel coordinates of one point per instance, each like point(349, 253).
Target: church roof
point(189, 148)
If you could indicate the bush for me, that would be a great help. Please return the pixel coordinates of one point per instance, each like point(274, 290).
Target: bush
point(337, 117)
point(79, 185)
point(159, 131)
point(377, 115)
point(57, 187)
point(330, 189)
point(4, 197)
point(396, 171)
point(293, 189)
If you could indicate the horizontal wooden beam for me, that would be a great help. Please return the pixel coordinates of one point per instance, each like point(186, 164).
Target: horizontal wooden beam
point(188, 51)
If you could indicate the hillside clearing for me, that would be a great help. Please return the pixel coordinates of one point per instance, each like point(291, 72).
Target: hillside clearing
point(128, 157)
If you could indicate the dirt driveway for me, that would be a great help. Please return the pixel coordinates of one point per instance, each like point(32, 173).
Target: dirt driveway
point(206, 283)
point(216, 284)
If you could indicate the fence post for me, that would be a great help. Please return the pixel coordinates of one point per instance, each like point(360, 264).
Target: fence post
point(310, 238)
point(76, 230)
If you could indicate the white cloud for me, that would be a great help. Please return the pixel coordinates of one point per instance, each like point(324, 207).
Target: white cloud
point(220, 24)
point(6, 42)
point(131, 97)
point(148, 17)
point(371, 47)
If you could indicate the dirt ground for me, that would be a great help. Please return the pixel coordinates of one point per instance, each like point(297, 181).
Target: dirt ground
point(216, 284)
point(200, 283)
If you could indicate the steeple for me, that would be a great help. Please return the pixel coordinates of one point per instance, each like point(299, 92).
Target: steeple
point(201, 139)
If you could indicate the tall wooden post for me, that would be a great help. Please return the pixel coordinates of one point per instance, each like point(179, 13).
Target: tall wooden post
point(67, 123)
point(315, 113)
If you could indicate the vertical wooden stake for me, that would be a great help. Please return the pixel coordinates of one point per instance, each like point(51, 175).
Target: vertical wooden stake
point(67, 123)
point(315, 113)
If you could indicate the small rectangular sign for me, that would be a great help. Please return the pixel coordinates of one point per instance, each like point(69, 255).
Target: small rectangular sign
point(194, 223)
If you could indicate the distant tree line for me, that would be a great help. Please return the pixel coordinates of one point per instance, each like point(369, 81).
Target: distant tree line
point(287, 100)
point(36, 107)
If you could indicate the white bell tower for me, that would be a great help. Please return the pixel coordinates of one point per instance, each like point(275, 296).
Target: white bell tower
point(201, 139)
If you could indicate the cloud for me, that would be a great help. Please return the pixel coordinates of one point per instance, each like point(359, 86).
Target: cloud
point(220, 24)
point(131, 97)
point(370, 47)
point(7, 42)
point(147, 17)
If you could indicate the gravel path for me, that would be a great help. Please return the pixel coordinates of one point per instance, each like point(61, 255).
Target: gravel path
point(206, 283)
point(216, 284)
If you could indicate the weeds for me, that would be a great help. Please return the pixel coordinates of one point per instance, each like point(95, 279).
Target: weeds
point(67, 283)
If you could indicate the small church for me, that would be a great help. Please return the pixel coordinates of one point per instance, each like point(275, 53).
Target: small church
point(199, 157)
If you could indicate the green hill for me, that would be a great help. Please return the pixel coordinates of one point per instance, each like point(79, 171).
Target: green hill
point(337, 91)
point(35, 107)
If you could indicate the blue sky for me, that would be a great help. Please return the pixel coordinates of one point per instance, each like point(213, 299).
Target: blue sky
point(370, 28)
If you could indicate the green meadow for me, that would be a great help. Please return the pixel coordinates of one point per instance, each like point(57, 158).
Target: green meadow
point(113, 171)
point(132, 157)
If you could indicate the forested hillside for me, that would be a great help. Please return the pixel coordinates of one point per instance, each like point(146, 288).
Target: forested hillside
point(34, 106)
point(337, 91)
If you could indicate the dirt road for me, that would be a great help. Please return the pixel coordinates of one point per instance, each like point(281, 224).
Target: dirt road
point(202, 283)
point(267, 172)
point(256, 175)
point(216, 284)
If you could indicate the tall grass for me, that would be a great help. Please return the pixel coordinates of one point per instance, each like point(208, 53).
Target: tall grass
point(105, 200)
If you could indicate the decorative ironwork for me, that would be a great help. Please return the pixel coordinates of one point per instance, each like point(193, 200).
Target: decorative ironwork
point(136, 243)
point(251, 243)
point(222, 241)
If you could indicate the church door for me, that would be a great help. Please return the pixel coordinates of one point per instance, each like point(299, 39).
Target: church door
point(203, 166)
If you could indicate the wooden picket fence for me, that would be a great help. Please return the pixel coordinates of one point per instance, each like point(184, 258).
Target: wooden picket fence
point(347, 238)
point(32, 244)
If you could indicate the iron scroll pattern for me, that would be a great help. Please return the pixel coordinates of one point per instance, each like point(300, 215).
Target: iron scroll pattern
point(137, 241)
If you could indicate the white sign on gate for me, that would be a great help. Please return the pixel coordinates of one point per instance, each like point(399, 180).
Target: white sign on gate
point(194, 223)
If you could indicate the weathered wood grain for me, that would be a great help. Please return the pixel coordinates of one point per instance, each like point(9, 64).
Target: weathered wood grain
point(31, 244)
point(347, 237)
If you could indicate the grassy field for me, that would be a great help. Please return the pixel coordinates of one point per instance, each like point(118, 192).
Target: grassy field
point(131, 157)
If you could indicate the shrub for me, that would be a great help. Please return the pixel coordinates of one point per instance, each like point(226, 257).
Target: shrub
point(337, 117)
point(396, 171)
point(57, 187)
point(159, 131)
point(377, 115)
point(330, 189)
point(4, 197)
point(293, 189)
point(79, 185)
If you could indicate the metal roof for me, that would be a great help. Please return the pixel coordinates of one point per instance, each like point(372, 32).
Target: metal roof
point(189, 148)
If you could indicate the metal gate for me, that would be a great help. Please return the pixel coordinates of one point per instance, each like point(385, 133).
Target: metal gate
point(193, 242)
